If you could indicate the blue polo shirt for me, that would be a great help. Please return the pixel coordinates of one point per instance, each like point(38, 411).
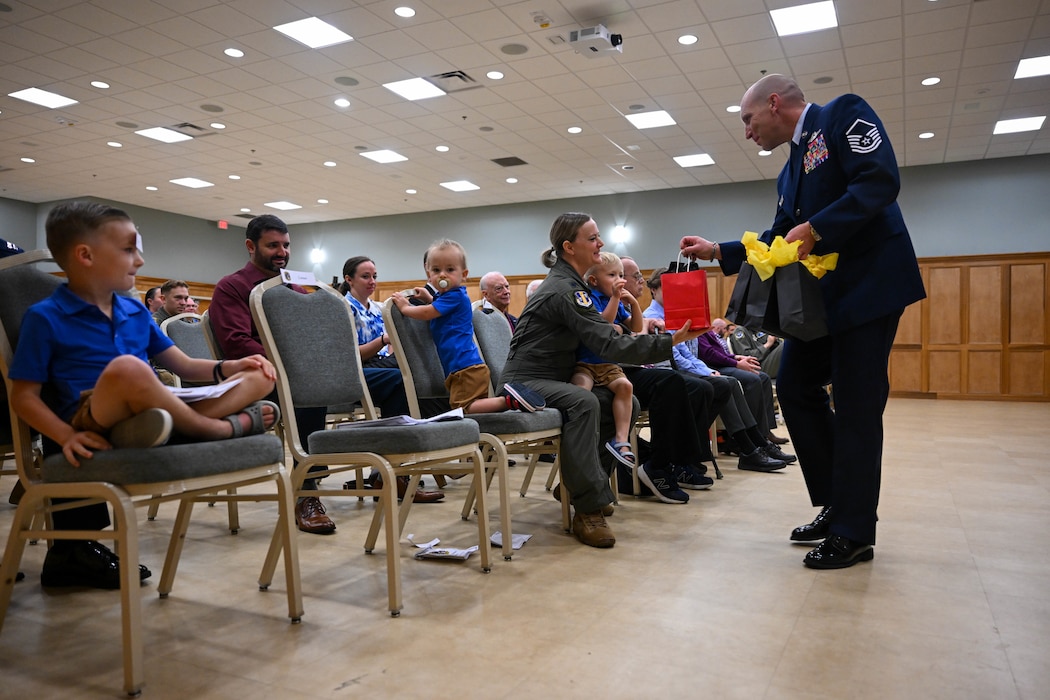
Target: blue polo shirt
point(600, 301)
point(453, 331)
point(65, 343)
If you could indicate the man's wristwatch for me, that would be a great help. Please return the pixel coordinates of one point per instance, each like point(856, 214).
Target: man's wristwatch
point(714, 250)
point(813, 232)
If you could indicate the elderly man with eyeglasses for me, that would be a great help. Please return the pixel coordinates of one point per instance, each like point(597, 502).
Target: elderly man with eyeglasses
point(495, 290)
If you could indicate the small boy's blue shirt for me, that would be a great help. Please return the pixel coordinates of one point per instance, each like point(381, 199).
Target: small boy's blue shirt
point(453, 331)
point(65, 343)
point(584, 354)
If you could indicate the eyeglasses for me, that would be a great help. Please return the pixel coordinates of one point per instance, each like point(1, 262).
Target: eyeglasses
point(639, 276)
point(501, 287)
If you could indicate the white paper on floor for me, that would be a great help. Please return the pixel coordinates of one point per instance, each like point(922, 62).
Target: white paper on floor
point(516, 541)
point(430, 550)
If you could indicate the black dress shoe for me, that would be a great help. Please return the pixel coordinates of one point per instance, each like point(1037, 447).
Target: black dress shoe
point(759, 461)
point(838, 552)
point(86, 564)
point(819, 529)
point(777, 453)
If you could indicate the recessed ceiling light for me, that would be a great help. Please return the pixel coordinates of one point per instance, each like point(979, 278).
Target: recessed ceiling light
point(314, 32)
point(342, 102)
point(405, 12)
point(322, 201)
point(765, 153)
point(926, 135)
point(574, 130)
point(1013, 126)
point(162, 133)
point(1031, 67)
point(932, 80)
point(694, 160)
point(234, 177)
point(414, 89)
point(191, 182)
point(234, 53)
point(648, 120)
point(114, 144)
point(494, 75)
point(282, 205)
point(42, 98)
point(804, 18)
point(329, 164)
point(733, 109)
point(441, 149)
point(151, 188)
point(384, 156)
point(217, 125)
point(460, 186)
point(512, 180)
point(245, 210)
point(99, 84)
point(410, 191)
point(687, 39)
point(27, 160)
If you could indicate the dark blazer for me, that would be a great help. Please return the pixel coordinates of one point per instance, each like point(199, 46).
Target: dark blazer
point(843, 179)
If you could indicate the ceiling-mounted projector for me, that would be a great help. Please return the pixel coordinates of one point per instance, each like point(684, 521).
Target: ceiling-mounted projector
point(594, 42)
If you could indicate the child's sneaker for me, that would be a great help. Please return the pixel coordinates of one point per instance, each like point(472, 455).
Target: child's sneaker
point(150, 428)
point(522, 398)
point(663, 484)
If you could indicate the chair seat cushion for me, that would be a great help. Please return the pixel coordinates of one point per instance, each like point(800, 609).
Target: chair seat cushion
point(161, 464)
point(509, 422)
point(395, 439)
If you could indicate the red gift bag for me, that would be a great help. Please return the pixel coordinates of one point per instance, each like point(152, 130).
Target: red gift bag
point(685, 299)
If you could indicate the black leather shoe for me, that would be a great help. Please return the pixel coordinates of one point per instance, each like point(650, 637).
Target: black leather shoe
point(759, 461)
point(838, 552)
point(86, 564)
point(776, 453)
point(819, 529)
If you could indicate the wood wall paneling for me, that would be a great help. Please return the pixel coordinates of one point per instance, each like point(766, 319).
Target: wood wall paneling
point(906, 371)
point(984, 372)
point(945, 295)
point(945, 371)
point(984, 305)
point(1028, 304)
point(1027, 373)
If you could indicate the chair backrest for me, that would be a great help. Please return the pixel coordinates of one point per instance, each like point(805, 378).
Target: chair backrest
point(187, 332)
point(492, 334)
point(209, 336)
point(312, 340)
point(417, 357)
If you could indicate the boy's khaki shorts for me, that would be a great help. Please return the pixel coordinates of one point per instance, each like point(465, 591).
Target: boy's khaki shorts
point(467, 386)
point(602, 375)
point(82, 418)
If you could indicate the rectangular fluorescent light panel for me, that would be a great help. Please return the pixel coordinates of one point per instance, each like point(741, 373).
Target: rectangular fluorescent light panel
point(162, 133)
point(1013, 126)
point(282, 205)
point(313, 32)
point(694, 160)
point(384, 156)
point(195, 183)
point(1031, 67)
point(804, 18)
point(648, 120)
point(460, 186)
point(42, 98)
point(415, 89)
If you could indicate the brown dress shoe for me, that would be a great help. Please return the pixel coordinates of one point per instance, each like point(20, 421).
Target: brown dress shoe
point(607, 509)
point(420, 495)
point(310, 517)
point(776, 440)
point(591, 529)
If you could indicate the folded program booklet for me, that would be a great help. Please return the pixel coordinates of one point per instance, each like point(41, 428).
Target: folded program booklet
point(454, 414)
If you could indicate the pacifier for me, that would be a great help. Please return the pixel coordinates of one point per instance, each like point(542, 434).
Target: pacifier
point(443, 283)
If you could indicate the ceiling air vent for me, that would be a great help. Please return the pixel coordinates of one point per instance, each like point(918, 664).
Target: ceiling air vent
point(245, 216)
point(454, 81)
point(192, 130)
point(509, 161)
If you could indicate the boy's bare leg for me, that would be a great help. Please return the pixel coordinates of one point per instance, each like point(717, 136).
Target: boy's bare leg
point(623, 407)
point(128, 386)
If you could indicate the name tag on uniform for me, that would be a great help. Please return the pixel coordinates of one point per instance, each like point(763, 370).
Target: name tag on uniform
point(816, 153)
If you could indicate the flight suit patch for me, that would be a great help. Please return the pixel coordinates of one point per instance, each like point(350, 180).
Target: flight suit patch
point(583, 299)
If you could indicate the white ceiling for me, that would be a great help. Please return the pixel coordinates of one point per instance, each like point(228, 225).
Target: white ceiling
point(164, 60)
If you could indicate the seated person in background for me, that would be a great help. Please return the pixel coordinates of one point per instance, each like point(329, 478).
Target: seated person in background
point(452, 327)
point(756, 453)
point(744, 341)
point(606, 284)
point(495, 290)
point(758, 387)
point(531, 289)
point(174, 296)
point(90, 347)
point(358, 286)
point(152, 299)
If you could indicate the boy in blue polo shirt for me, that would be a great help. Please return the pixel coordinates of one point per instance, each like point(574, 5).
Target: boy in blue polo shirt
point(87, 348)
point(452, 327)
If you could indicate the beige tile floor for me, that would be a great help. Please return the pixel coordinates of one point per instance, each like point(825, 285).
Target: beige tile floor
point(708, 599)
